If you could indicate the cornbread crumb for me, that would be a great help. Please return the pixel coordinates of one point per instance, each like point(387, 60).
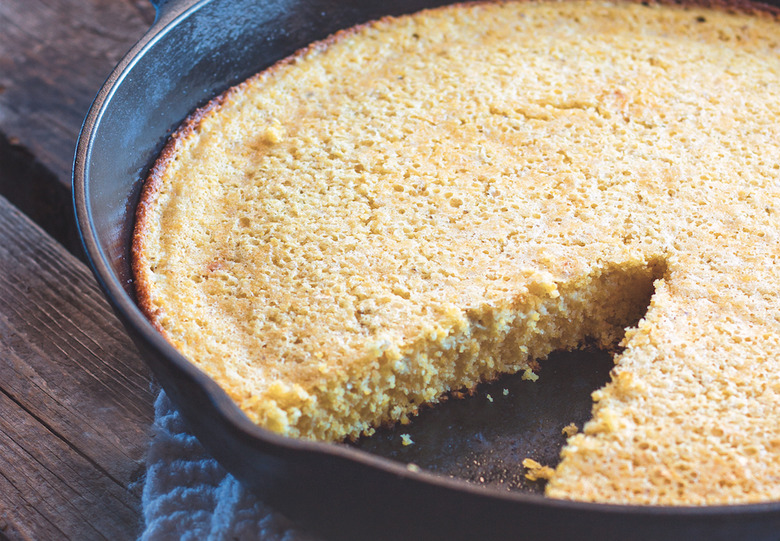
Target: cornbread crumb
point(569, 430)
point(536, 471)
point(423, 203)
point(529, 375)
point(406, 439)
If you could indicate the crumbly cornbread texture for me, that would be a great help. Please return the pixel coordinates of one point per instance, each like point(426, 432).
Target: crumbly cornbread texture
point(425, 202)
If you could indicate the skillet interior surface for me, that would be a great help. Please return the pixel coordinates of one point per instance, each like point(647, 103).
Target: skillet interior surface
point(196, 50)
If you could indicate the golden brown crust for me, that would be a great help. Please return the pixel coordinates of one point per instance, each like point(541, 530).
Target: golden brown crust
point(146, 201)
point(579, 259)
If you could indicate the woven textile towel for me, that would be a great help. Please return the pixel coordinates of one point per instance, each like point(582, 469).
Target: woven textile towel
point(188, 496)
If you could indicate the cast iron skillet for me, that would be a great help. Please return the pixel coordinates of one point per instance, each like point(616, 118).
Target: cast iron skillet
point(195, 50)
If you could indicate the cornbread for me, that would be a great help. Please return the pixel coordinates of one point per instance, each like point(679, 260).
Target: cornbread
point(425, 202)
point(537, 472)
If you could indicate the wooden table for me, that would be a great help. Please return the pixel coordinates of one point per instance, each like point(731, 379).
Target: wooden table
point(75, 397)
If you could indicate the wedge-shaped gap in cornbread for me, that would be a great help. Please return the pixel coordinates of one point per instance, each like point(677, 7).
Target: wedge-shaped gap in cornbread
point(579, 324)
point(484, 437)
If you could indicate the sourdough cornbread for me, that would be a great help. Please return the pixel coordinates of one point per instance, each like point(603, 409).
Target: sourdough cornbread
point(422, 203)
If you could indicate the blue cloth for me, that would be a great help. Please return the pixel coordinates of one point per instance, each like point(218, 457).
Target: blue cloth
point(188, 496)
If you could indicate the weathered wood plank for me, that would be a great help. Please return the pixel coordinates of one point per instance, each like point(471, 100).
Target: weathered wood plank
point(86, 503)
point(54, 55)
point(38, 193)
point(75, 398)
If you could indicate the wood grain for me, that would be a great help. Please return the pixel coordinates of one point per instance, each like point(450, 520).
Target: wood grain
point(54, 56)
point(75, 398)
